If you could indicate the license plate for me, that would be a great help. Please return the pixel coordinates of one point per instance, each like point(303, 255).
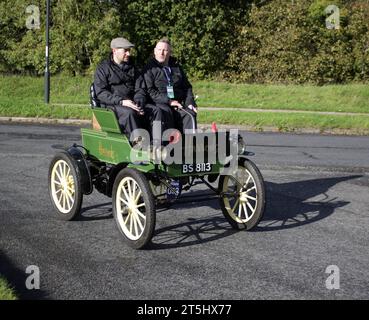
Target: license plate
point(196, 167)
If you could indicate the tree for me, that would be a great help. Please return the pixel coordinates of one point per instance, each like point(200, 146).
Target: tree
point(201, 31)
point(80, 34)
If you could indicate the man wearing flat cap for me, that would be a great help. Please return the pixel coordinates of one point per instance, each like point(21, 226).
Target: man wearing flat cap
point(118, 84)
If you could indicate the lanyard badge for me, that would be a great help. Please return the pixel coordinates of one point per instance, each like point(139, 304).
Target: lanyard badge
point(170, 89)
point(170, 92)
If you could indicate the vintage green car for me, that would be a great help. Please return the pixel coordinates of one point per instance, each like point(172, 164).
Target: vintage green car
point(139, 179)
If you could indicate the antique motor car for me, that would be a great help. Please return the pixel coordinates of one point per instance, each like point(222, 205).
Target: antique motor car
point(138, 178)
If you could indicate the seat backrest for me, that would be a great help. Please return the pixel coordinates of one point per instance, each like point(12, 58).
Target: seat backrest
point(103, 117)
point(94, 102)
point(106, 119)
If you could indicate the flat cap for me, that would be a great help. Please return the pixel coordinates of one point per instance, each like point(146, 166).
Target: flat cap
point(121, 43)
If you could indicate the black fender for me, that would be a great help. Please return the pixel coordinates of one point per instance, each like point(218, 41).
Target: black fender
point(81, 168)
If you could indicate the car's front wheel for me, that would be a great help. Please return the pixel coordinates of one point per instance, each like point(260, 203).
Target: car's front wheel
point(242, 196)
point(134, 208)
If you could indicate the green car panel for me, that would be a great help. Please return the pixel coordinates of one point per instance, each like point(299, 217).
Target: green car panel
point(111, 146)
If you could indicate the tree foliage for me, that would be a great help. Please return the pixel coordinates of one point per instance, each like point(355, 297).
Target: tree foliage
point(200, 30)
point(250, 41)
point(289, 42)
point(80, 33)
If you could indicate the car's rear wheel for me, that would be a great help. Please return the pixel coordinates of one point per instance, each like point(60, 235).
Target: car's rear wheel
point(134, 208)
point(242, 198)
point(65, 186)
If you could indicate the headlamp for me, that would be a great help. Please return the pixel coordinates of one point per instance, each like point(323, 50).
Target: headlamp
point(241, 145)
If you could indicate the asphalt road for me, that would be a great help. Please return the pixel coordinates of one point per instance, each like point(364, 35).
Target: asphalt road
point(317, 216)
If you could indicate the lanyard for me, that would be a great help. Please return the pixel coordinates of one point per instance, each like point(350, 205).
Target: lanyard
point(168, 76)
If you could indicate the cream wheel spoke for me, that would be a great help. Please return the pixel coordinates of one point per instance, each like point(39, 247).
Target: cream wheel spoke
point(64, 170)
point(70, 197)
point(140, 205)
point(125, 193)
point(68, 204)
point(131, 223)
point(124, 201)
point(139, 222)
point(71, 189)
point(138, 197)
point(58, 174)
point(140, 214)
point(64, 199)
point(57, 182)
point(128, 216)
point(129, 189)
point(251, 208)
point(245, 209)
point(135, 187)
point(59, 190)
point(67, 174)
point(235, 205)
point(252, 188)
point(61, 196)
point(246, 215)
point(135, 223)
point(247, 182)
point(69, 201)
point(250, 197)
point(239, 210)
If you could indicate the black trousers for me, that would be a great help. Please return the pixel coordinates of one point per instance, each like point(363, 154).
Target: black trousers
point(128, 119)
point(161, 113)
point(168, 117)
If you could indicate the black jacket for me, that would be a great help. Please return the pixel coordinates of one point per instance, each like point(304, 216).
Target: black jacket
point(156, 83)
point(114, 83)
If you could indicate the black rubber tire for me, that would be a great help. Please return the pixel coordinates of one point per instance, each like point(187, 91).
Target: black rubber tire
point(260, 194)
point(75, 210)
point(150, 209)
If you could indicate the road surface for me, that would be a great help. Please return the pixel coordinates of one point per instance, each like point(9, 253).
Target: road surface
point(311, 244)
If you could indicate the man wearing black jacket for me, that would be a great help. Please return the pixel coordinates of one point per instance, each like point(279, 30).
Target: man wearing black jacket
point(169, 91)
point(118, 85)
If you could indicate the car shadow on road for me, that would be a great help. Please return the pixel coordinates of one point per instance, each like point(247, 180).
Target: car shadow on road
point(288, 205)
point(192, 232)
point(101, 211)
point(293, 204)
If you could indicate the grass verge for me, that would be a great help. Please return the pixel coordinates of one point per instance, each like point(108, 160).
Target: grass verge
point(257, 121)
point(290, 122)
point(23, 97)
point(333, 98)
point(6, 293)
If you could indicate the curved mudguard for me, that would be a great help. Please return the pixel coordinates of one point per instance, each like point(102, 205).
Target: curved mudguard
point(82, 168)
